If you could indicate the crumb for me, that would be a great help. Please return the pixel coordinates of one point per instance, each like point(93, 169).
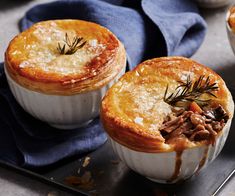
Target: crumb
point(85, 181)
point(86, 161)
point(86, 177)
point(73, 180)
point(115, 162)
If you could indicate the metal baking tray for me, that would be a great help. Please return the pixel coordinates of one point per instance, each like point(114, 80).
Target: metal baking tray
point(107, 175)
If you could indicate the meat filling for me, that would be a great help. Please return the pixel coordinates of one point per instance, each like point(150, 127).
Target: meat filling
point(193, 125)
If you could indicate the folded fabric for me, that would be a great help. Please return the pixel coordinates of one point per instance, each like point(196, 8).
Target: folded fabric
point(28, 142)
point(148, 28)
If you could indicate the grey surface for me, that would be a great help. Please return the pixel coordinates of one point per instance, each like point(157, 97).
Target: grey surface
point(10, 13)
point(12, 184)
point(215, 52)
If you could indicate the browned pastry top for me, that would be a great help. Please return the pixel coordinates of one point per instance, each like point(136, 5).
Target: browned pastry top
point(231, 18)
point(33, 60)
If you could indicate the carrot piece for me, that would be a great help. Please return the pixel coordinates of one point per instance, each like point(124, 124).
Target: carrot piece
point(194, 107)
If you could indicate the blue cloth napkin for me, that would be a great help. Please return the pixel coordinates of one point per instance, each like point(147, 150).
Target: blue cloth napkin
point(29, 142)
point(148, 28)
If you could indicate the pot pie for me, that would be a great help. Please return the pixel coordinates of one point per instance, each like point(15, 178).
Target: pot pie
point(212, 3)
point(230, 27)
point(64, 61)
point(231, 18)
point(163, 112)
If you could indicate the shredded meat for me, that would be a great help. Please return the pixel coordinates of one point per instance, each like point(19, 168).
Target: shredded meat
point(180, 130)
point(200, 135)
point(171, 125)
point(194, 126)
point(221, 114)
point(217, 114)
point(209, 114)
point(197, 119)
point(217, 126)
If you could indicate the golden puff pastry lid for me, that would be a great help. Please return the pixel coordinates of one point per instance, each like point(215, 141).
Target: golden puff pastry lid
point(133, 109)
point(231, 18)
point(33, 60)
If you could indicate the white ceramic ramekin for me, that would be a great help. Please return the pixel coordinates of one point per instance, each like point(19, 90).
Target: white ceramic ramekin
point(63, 112)
point(160, 167)
point(230, 32)
point(212, 3)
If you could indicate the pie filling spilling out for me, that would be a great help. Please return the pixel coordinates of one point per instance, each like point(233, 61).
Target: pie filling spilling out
point(194, 123)
point(195, 119)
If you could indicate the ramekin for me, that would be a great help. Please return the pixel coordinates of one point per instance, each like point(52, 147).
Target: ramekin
point(230, 32)
point(61, 111)
point(212, 3)
point(160, 167)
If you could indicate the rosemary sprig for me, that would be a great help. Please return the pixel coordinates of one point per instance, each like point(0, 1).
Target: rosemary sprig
point(189, 91)
point(73, 46)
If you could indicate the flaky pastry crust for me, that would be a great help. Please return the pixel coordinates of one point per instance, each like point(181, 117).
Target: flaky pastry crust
point(133, 109)
point(33, 60)
point(231, 18)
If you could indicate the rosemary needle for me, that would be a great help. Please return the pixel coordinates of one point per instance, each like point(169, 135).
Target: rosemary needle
point(189, 91)
point(72, 46)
